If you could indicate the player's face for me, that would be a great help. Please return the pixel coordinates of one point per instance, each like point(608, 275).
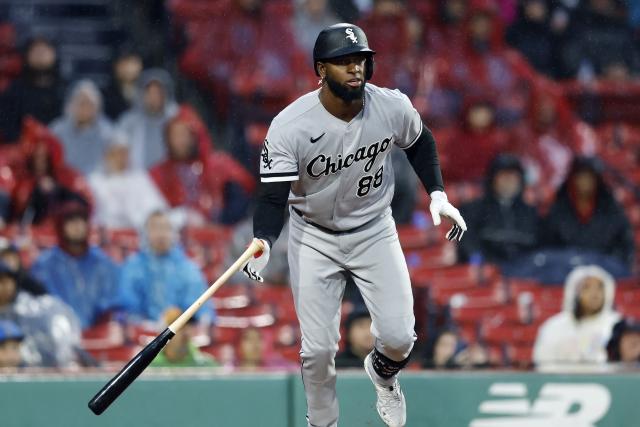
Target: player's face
point(345, 76)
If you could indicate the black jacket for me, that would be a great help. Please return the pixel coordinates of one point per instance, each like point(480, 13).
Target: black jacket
point(608, 231)
point(498, 231)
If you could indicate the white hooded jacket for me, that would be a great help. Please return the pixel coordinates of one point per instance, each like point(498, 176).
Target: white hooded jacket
point(563, 339)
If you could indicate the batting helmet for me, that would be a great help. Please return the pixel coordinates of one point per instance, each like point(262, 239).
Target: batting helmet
point(340, 40)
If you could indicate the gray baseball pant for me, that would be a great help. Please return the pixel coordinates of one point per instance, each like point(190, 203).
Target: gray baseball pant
point(318, 261)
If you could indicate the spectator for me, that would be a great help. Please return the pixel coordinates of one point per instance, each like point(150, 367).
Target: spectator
point(467, 150)
point(394, 54)
point(449, 351)
point(10, 338)
point(161, 276)
point(579, 334)
point(80, 274)
point(585, 216)
point(531, 35)
point(442, 352)
point(124, 197)
point(119, 95)
point(144, 123)
point(448, 29)
point(501, 225)
point(624, 345)
point(548, 139)
point(51, 330)
point(598, 36)
point(255, 352)
point(359, 340)
point(484, 65)
point(180, 351)
point(38, 92)
point(83, 130)
point(209, 186)
point(10, 256)
point(311, 17)
point(44, 181)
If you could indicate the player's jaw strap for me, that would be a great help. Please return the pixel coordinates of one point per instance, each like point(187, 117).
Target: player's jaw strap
point(385, 367)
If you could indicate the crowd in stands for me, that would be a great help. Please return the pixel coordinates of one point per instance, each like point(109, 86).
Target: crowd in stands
point(119, 202)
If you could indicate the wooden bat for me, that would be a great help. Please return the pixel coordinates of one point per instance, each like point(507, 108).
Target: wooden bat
point(135, 366)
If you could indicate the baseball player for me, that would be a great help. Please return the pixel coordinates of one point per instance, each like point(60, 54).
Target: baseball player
point(327, 156)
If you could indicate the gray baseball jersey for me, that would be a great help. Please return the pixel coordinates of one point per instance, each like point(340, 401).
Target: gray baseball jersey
point(342, 171)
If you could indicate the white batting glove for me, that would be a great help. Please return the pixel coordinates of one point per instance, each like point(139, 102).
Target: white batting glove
point(255, 265)
point(440, 206)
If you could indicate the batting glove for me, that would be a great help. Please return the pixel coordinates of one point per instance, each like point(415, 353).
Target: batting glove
point(440, 206)
point(255, 265)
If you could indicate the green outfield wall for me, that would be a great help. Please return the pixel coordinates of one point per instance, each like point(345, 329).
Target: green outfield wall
point(197, 399)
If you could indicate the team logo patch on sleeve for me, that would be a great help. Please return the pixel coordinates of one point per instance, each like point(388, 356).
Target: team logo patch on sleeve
point(267, 162)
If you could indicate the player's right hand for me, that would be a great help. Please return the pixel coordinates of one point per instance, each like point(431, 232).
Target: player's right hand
point(255, 265)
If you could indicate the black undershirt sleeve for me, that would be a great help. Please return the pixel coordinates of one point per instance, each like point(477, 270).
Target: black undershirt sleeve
point(268, 217)
point(423, 156)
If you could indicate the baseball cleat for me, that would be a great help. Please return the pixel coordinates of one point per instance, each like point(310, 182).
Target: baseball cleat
point(391, 404)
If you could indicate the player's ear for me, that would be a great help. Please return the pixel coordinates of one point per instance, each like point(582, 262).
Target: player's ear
point(322, 70)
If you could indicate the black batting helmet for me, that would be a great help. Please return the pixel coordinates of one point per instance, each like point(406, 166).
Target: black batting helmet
point(340, 40)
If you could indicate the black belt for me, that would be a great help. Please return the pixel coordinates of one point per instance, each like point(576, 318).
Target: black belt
point(328, 230)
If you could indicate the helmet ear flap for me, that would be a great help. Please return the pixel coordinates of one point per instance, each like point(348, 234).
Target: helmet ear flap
point(369, 63)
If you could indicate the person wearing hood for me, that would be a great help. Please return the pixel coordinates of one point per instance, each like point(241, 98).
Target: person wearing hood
point(531, 34)
point(124, 197)
point(121, 90)
point(580, 333)
point(10, 256)
point(483, 65)
point(209, 186)
point(83, 130)
point(504, 225)
point(44, 180)
point(467, 150)
point(38, 92)
point(49, 330)
point(359, 339)
point(80, 274)
point(161, 276)
point(144, 123)
point(585, 216)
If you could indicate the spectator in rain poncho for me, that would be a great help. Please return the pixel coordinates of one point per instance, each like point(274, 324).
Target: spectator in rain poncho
point(124, 197)
point(84, 130)
point(80, 274)
point(579, 334)
point(51, 330)
point(161, 276)
point(145, 122)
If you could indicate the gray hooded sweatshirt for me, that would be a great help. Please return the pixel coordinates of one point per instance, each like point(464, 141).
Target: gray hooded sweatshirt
point(145, 131)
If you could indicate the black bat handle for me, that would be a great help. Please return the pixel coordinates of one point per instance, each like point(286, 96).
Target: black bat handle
point(129, 373)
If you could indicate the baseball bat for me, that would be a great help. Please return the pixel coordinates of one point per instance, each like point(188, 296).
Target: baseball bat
point(135, 366)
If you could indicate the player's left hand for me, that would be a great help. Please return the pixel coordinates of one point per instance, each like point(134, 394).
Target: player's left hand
point(255, 265)
point(440, 206)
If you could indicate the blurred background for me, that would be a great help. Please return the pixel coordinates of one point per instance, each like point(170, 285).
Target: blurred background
point(130, 133)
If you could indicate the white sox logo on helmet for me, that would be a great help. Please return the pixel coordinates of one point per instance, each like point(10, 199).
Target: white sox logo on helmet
point(351, 35)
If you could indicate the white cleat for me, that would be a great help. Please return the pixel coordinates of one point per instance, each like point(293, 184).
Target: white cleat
point(391, 405)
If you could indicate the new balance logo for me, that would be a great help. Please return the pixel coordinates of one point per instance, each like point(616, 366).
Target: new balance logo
point(557, 405)
point(314, 140)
